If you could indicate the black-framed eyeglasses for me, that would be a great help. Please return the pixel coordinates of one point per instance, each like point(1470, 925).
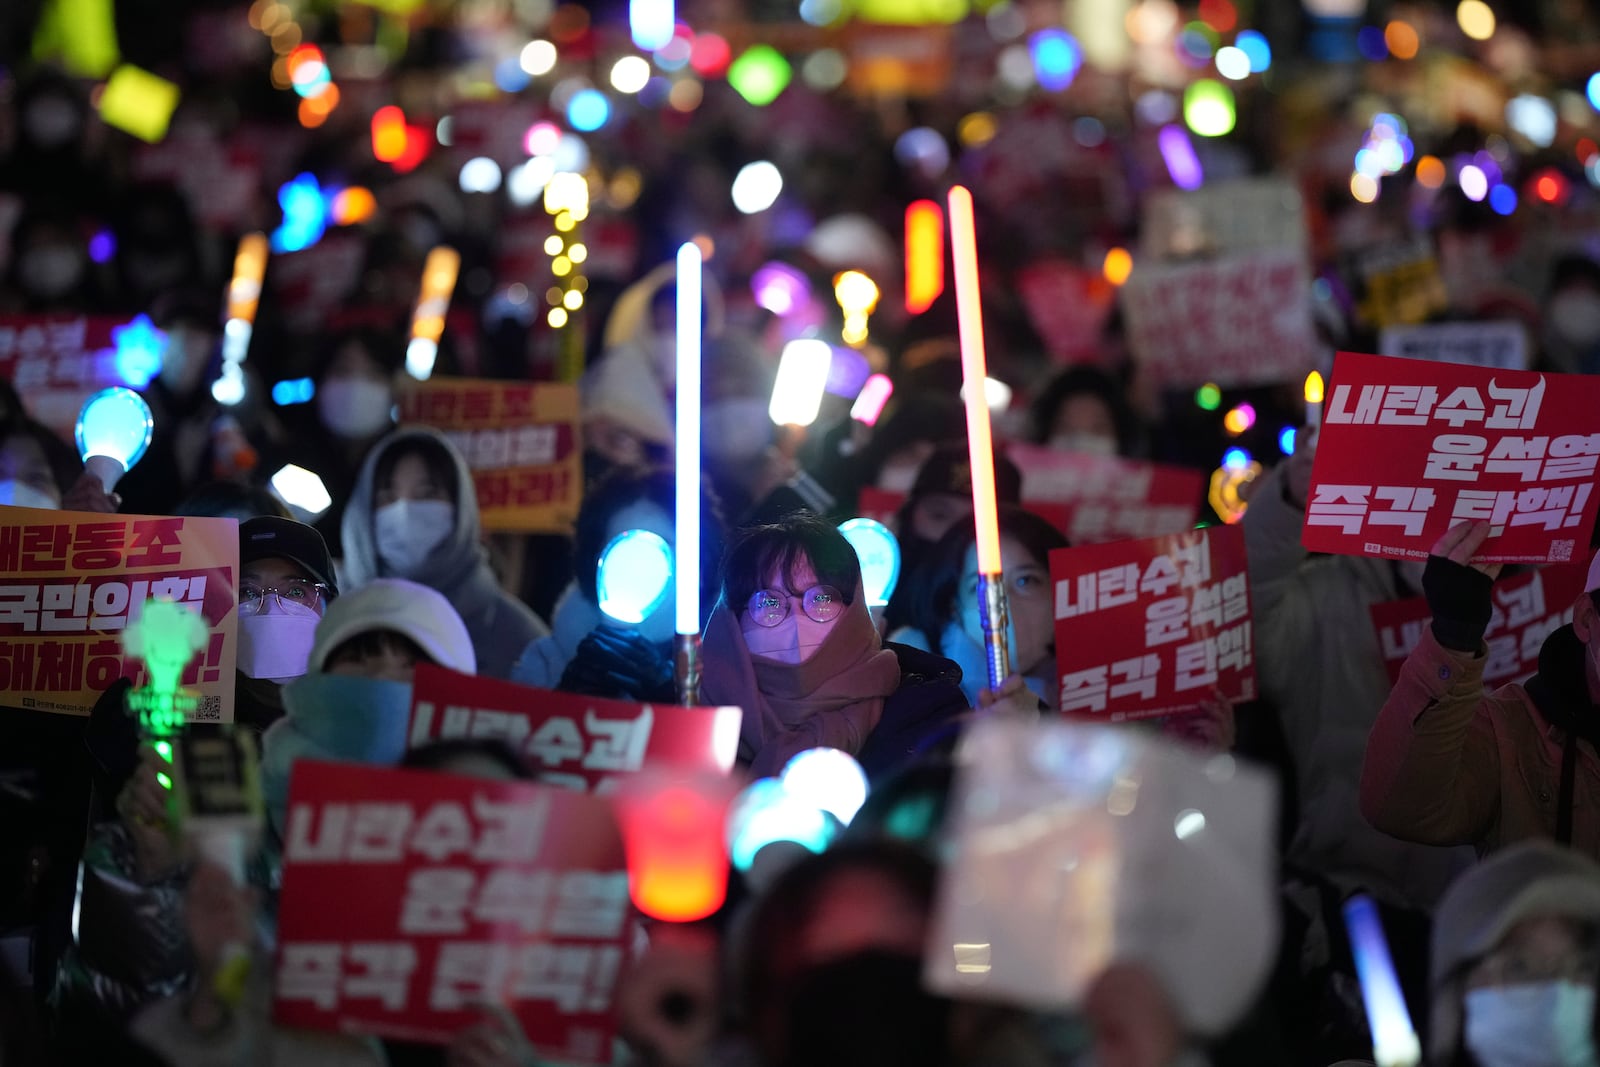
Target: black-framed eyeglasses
point(253, 596)
point(821, 603)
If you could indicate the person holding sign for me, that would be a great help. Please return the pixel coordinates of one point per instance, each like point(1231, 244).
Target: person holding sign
point(792, 642)
point(414, 515)
point(1320, 665)
point(1451, 764)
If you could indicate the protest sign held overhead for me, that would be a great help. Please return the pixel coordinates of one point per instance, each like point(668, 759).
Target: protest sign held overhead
point(1410, 448)
point(1153, 627)
point(412, 899)
point(1092, 499)
point(519, 438)
point(578, 741)
point(55, 361)
point(1527, 609)
point(1244, 319)
point(70, 584)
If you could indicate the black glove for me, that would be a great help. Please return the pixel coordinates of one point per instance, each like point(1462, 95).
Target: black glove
point(1458, 596)
point(621, 665)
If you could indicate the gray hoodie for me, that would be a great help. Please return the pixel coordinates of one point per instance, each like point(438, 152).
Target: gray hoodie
point(501, 625)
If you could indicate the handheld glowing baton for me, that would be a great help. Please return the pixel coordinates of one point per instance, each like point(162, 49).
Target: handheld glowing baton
point(1394, 1040)
point(686, 522)
point(980, 445)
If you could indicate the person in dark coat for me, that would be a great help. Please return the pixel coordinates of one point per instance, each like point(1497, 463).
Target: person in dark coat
point(791, 642)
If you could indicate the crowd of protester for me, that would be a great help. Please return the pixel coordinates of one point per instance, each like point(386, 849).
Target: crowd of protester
point(1472, 817)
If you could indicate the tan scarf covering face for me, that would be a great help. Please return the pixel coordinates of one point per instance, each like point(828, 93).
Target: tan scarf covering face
point(835, 698)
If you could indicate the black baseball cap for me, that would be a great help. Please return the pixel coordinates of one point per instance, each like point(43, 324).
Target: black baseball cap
point(271, 537)
point(949, 470)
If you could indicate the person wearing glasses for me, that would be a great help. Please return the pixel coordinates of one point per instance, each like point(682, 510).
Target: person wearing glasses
point(286, 581)
point(791, 642)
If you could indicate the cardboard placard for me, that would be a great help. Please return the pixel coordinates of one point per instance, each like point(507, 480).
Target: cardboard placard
point(1244, 319)
point(1499, 345)
point(1227, 216)
point(411, 899)
point(1410, 448)
point(1527, 609)
point(521, 441)
point(579, 741)
point(70, 583)
point(1152, 627)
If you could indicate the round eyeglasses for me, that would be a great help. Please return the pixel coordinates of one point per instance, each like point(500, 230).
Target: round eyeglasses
point(253, 597)
point(821, 603)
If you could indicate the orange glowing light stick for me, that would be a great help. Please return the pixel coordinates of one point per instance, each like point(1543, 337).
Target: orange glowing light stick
point(980, 445)
point(388, 134)
point(924, 255)
point(439, 272)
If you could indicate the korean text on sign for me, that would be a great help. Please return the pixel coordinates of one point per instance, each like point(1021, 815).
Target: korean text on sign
point(71, 583)
point(572, 740)
point(1409, 449)
point(1240, 320)
point(520, 440)
point(412, 898)
point(1152, 627)
point(1527, 609)
point(56, 361)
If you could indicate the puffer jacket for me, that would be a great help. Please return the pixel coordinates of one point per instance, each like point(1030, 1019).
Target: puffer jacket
point(1450, 764)
point(924, 715)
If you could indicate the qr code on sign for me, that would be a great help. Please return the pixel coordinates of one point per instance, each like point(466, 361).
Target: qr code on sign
point(210, 709)
point(1561, 551)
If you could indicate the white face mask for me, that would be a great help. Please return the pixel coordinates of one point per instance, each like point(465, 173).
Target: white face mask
point(1540, 1024)
point(23, 495)
point(51, 270)
point(409, 530)
point(794, 640)
point(1575, 318)
point(1091, 443)
point(276, 644)
point(355, 407)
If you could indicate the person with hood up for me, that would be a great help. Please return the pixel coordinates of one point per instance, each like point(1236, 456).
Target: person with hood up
point(792, 643)
point(1514, 962)
point(586, 651)
point(414, 514)
point(1449, 763)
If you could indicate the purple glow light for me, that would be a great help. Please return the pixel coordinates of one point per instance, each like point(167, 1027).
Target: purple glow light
point(780, 288)
point(102, 246)
point(1178, 153)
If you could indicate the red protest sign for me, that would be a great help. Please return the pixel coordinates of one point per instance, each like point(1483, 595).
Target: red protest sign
point(1527, 609)
point(1409, 448)
point(1240, 320)
point(1104, 498)
point(56, 361)
point(1151, 627)
point(579, 741)
point(1091, 499)
point(1068, 305)
point(411, 899)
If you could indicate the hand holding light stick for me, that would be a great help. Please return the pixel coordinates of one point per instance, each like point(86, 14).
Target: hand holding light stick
point(114, 430)
point(980, 445)
point(686, 523)
point(1394, 1040)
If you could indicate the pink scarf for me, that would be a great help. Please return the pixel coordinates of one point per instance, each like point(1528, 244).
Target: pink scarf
point(835, 698)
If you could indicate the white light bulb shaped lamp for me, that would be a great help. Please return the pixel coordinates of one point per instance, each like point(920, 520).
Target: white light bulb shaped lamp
point(113, 432)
